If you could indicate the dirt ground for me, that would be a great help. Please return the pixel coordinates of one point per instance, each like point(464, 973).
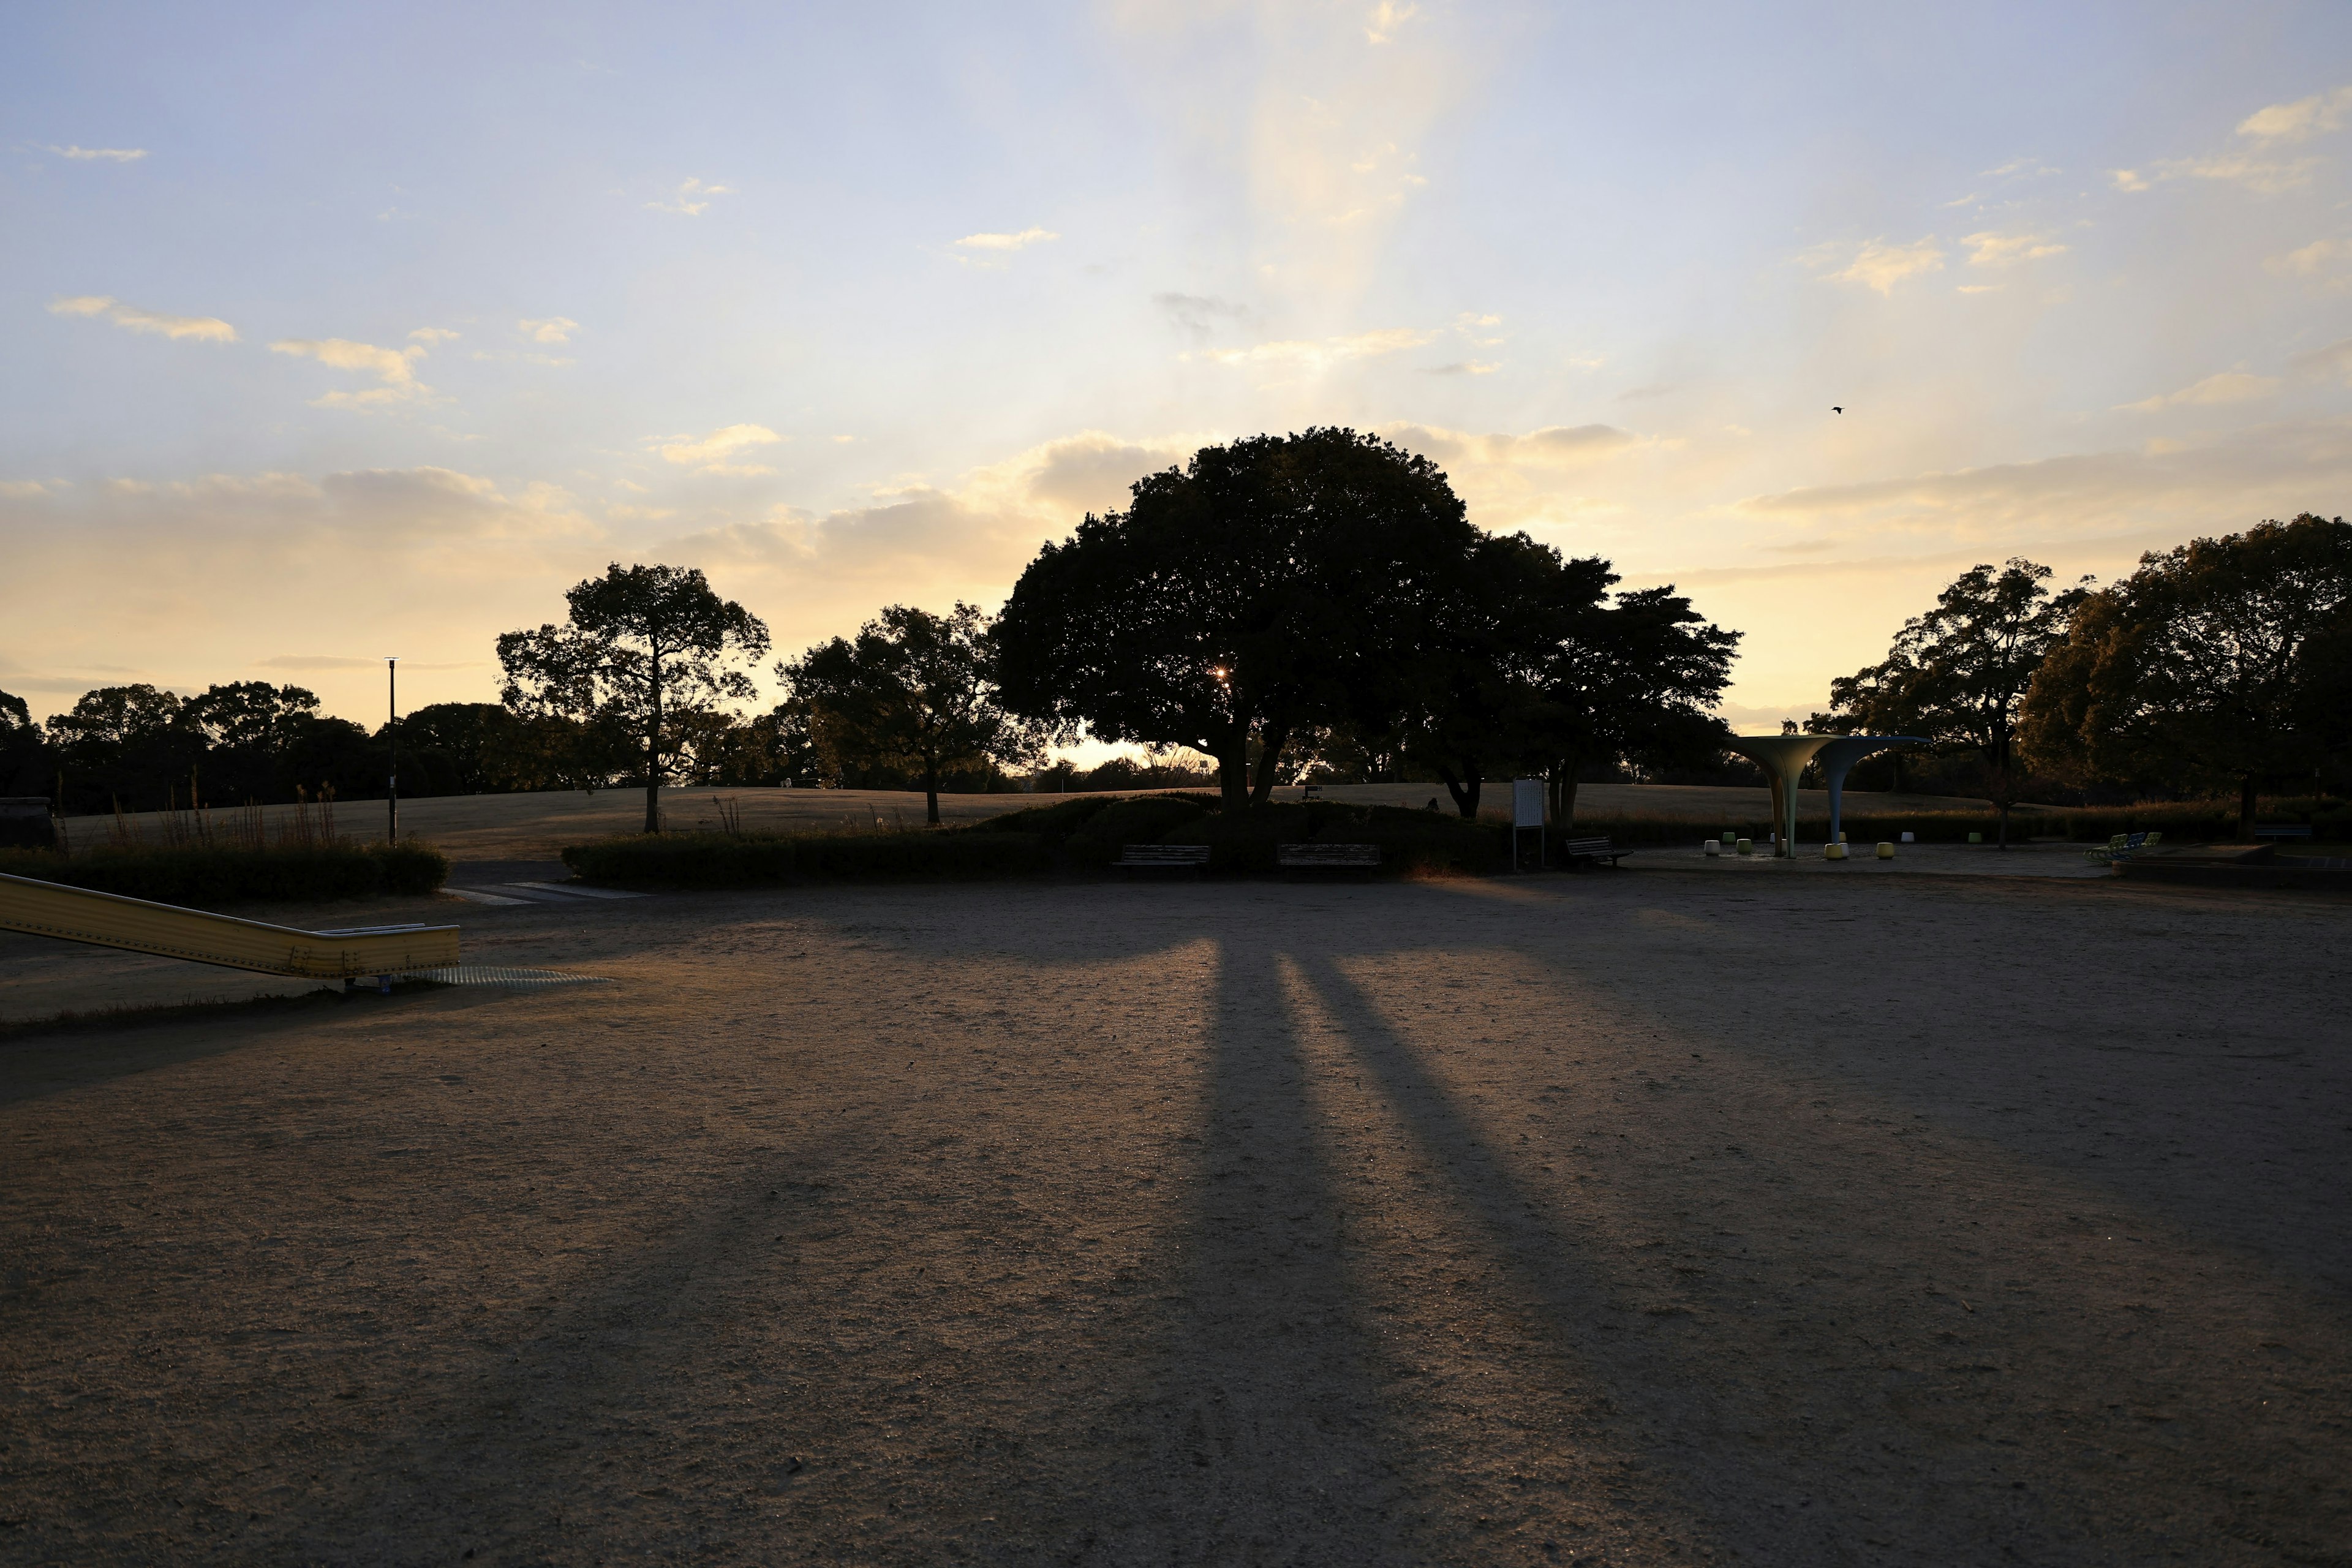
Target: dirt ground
point(536, 826)
point(1640, 1218)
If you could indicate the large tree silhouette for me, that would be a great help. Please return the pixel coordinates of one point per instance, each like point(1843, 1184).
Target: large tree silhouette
point(641, 646)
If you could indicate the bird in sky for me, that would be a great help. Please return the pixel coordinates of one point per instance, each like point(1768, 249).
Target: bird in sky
point(1835, 408)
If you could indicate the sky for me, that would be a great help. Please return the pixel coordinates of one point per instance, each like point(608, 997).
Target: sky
point(334, 332)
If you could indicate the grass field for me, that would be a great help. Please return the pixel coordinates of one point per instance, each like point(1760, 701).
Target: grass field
point(1643, 1218)
point(536, 826)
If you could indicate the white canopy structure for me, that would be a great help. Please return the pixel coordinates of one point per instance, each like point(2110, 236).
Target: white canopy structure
point(1783, 760)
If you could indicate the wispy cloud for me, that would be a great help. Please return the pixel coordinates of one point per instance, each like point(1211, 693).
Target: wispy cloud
point(1381, 26)
point(395, 367)
point(1200, 314)
point(2228, 386)
point(690, 198)
point(1470, 325)
point(2300, 121)
point(708, 455)
point(2279, 124)
point(101, 154)
point(1880, 265)
point(204, 329)
point(555, 330)
point(1467, 367)
point(2311, 261)
point(1316, 353)
point(1991, 249)
point(1002, 242)
point(429, 336)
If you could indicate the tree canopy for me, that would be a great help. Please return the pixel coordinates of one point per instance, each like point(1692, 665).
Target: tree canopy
point(643, 649)
point(1270, 586)
point(1957, 674)
point(914, 690)
point(2223, 660)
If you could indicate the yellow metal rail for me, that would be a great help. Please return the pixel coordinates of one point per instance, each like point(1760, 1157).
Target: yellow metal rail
point(109, 920)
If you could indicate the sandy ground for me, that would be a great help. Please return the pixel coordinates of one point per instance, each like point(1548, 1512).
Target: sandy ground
point(537, 826)
point(1634, 1218)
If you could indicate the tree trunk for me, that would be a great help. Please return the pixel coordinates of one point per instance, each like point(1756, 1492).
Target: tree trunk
point(1465, 791)
point(932, 792)
point(653, 757)
point(1232, 769)
point(2246, 809)
point(1270, 758)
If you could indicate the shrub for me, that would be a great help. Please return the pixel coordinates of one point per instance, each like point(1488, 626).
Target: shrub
point(196, 875)
point(768, 860)
point(1143, 819)
point(1057, 821)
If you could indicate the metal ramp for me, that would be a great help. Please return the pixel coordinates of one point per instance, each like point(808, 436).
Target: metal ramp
point(135, 925)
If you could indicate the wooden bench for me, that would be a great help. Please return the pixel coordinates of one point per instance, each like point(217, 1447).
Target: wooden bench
point(1327, 856)
point(1572, 851)
point(1133, 857)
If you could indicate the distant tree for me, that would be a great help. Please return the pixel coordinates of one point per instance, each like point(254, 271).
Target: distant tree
point(124, 745)
point(27, 766)
point(2223, 660)
point(1881, 699)
point(913, 691)
point(642, 646)
point(1271, 586)
point(467, 742)
point(1957, 674)
point(247, 729)
point(1636, 679)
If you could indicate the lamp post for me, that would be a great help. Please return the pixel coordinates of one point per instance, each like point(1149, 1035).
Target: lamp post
point(392, 722)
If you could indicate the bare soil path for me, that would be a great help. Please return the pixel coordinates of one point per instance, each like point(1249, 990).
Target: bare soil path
point(1637, 1218)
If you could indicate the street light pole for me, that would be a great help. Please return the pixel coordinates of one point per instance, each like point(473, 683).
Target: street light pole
point(392, 783)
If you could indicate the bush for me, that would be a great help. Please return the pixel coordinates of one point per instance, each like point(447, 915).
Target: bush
point(769, 860)
point(196, 876)
point(1056, 821)
point(1143, 819)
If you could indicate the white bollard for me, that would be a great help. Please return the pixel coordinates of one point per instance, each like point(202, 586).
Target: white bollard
point(1712, 848)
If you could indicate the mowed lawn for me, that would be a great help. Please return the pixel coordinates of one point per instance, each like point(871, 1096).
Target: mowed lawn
point(1640, 1218)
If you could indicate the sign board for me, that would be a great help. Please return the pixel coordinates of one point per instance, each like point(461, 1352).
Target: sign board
point(1527, 803)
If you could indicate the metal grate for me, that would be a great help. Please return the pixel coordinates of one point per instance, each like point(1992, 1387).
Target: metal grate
point(512, 979)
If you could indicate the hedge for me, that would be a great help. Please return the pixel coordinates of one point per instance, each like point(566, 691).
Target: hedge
point(761, 860)
point(196, 876)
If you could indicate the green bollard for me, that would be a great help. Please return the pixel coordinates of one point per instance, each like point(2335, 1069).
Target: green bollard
point(1745, 846)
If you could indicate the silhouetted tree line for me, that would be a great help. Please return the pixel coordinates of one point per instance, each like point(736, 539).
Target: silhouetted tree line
point(2221, 666)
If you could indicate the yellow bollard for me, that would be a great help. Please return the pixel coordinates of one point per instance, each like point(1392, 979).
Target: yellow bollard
point(1833, 851)
point(1886, 850)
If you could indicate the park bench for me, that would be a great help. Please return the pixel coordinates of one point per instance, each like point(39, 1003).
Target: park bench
point(1134, 857)
point(2123, 846)
point(1327, 856)
point(2284, 830)
point(1573, 851)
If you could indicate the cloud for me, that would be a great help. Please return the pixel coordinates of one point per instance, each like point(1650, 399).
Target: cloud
point(1470, 324)
point(2312, 259)
point(2300, 121)
point(1387, 17)
point(2269, 470)
point(708, 456)
point(429, 336)
point(1550, 446)
point(691, 198)
point(330, 661)
point(1006, 242)
point(395, 367)
point(1319, 353)
point(2334, 360)
point(1466, 367)
point(2228, 386)
point(1200, 314)
point(204, 329)
point(1991, 249)
point(555, 330)
point(1880, 265)
point(108, 154)
point(22, 489)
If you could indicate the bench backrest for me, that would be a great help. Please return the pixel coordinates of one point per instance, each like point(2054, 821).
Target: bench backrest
point(1327, 855)
point(1164, 855)
point(1585, 846)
